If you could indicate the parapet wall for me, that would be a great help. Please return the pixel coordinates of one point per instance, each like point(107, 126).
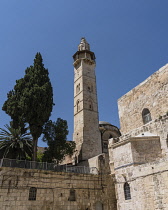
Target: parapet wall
point(122, 153)
point(158, 127)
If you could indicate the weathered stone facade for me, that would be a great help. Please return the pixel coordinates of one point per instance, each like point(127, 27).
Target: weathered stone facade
point(86, 119)
point(148, 186)
point(139, 158)
point(151, 94)
point(53, 190)
point(140, 162)
point(131, 175)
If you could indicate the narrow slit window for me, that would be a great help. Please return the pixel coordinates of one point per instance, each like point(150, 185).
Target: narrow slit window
point(77, 105)
point(90, 105)
point(32, 194)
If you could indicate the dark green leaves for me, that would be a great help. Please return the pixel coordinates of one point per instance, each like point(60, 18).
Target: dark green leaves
point(55, 134)
point(31, 100)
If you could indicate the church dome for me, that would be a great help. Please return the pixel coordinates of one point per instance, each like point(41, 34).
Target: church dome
point(106, 127)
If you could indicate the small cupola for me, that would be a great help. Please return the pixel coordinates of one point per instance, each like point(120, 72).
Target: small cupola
point(84, 51)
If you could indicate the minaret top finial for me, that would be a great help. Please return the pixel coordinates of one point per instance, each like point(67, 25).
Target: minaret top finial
point(84, 45)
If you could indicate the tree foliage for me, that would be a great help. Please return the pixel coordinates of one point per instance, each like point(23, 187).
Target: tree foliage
point(55, 135)
point(31, 100)
point(40, 155)
point(14, 144)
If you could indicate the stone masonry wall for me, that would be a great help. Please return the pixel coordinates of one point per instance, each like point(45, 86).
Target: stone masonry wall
point(148, 186)
point(148, 182)
point(53, 190)
point(158, 127)
point(86, 118)
point(151, 94)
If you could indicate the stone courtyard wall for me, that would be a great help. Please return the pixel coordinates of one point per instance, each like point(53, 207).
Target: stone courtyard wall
point(151, 94)
point(53, 190)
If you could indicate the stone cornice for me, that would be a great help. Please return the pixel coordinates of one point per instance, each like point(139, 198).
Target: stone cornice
point(86, 60)
point(133, 139)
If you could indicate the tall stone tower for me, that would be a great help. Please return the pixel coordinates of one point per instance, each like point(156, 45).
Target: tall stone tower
point(86, 119)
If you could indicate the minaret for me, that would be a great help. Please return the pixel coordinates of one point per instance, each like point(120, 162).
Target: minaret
point(86, 119)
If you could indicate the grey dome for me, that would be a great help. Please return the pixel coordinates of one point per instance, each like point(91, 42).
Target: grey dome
point(104, 123)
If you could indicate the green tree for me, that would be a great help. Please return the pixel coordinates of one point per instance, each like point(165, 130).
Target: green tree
point(40, 155)
point(14, 144)
point(31, 101)
point(55, 135)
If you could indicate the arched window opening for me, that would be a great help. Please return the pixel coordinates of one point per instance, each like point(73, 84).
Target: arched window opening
point(90, 105)
point(146, 116)
point(127, 192)
point(90, 88)
point(72, 195)
point(110, 136)
point(77, 105)
point(32, 194)
point(105, 145)
point(78, 88)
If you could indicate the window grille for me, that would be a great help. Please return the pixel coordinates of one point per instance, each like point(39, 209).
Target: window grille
point(99, 206)
point(72, 196)
point(127, 192)
point(32, 194)
point(146, 116)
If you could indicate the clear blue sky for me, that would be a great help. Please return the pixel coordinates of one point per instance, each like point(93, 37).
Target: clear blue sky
point(129, 38)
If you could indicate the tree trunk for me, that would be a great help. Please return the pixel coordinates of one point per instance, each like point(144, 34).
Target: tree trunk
point(35, 149)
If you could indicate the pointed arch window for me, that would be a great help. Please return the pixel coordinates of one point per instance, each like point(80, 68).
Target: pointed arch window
point(127, 192)
point(146, 116)
point(32, 193)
